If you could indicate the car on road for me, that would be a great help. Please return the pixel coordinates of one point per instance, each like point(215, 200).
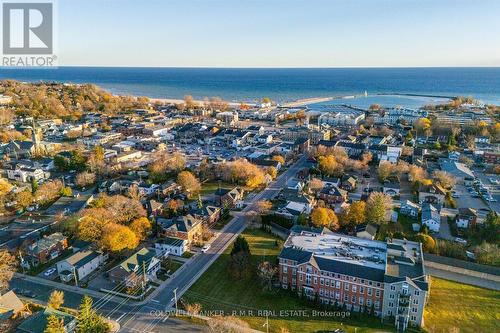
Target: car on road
point(205, 248)
point(30, 294)
point(460, 240)
point(50, 271)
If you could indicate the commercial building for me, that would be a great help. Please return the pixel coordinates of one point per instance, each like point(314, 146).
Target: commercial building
point(387, 277)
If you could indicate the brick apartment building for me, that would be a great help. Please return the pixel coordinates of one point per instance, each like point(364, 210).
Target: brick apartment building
point(388, 277)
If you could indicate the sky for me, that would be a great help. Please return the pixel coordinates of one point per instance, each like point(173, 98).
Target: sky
point(279, 33)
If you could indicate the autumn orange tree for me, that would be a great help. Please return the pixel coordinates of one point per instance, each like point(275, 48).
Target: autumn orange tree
point(355, 214)
point(117, 237)
point(324, 217)
point(189, 183)
point(243, 172)
point(114, 223)
point(279, 158)
point(141, 227)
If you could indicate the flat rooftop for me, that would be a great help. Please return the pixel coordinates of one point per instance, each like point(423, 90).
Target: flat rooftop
point(338, 247)
point(404, 259)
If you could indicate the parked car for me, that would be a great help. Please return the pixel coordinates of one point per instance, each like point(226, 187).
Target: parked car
point(205, 248)
point(50, 271)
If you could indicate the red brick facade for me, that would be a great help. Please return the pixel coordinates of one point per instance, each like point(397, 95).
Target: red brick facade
point(331, 287)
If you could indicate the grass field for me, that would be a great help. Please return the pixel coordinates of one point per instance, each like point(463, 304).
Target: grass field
point(455, 307)
point(218, 290)
point(211, 187)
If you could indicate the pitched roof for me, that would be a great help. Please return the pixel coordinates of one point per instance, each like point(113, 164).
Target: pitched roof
point(81, 258)
point(47, 242)
point(135, 261)
point(10, 303)
point(38, 322)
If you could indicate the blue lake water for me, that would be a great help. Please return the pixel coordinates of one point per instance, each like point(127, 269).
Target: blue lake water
point(281, 85)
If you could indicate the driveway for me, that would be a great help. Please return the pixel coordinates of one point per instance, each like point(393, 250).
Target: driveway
point(444, 229)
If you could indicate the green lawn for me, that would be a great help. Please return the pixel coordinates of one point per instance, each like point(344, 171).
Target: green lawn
point(455, 307)
point(225, 218)
point(211, 187)
point(218, 290)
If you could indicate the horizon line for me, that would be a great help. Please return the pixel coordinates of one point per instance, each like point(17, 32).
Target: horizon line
point(269, 67)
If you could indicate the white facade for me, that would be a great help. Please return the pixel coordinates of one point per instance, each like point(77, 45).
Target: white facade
point(163, 249)
point(25, 174)
point(432, 223)
point(341, 118)
point(82, 263)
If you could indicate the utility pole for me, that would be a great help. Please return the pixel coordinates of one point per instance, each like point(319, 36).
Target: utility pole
point(175, 299)
point(22, 261)
point(267, 323)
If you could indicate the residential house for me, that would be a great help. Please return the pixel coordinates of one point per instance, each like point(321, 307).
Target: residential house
point(332, 195)
point(433, 193)
point(24, 171)
point(37, 322)
point(466, 217)
point(16, 149)
point(301, 145)
point(45, 249)
point(229, 198)
point(297, 201)
point(170, 245)
point(349, 183)
point(185, 227)
point(295, 184)
point(140, 267)
point(10, 305)
point(81, 264)
point(431, 217)
point(409, 208)
point(391, 189)
point(208, 214)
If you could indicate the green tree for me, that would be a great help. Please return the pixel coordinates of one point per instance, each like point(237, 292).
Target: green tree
point(376, 207)
point(240, 257)
point(240, 245)
point(34, 185)
point(428, 243)
point(88, 320)
point(66, 191)
point(54, 325)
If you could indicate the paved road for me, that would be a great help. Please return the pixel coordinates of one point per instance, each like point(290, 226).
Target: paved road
point(462, 278)
point(139, 319)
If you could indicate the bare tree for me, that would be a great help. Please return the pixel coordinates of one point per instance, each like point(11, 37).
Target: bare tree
point(266, 273)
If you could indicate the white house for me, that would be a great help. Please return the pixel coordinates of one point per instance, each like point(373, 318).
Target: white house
point(81, 263)
point(431, 217)
point(170, 245)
